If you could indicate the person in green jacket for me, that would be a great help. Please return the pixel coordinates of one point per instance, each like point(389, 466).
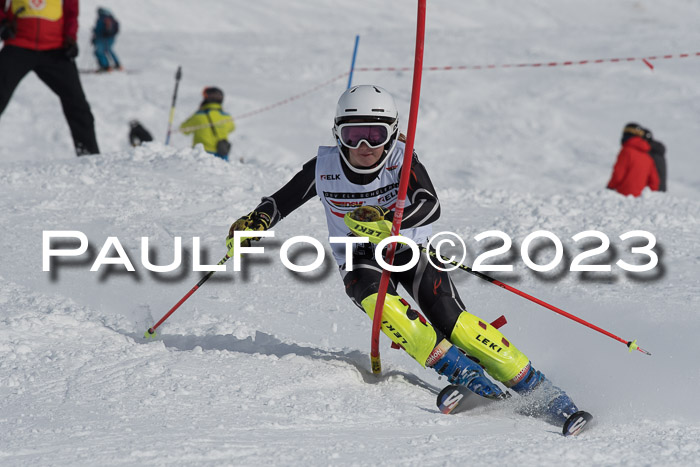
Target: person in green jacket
point(210, 125)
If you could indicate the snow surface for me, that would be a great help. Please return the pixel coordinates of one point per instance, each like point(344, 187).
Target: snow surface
point(270, 367)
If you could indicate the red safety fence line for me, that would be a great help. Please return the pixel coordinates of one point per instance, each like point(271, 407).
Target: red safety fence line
point(293, 98)
point(645, 60)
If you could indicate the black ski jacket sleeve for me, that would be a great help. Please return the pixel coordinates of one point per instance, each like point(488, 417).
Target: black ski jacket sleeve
point(424, 208)
point(297, 191)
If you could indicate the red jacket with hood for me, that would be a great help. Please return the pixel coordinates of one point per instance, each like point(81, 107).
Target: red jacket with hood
point(43, 24)
point(634, 169)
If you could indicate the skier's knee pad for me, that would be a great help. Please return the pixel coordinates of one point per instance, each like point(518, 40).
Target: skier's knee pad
point(404, 326)
point(494, 352)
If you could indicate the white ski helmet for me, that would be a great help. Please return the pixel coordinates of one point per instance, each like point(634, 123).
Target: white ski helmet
point(367, 103)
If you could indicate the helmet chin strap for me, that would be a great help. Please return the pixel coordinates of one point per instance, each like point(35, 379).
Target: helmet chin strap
point(368, 170)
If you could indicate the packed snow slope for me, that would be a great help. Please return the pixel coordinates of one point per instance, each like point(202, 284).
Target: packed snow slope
point(270, 367)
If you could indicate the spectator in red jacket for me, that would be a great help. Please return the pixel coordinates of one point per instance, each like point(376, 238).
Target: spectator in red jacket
point(41, 37)
point(635, 168)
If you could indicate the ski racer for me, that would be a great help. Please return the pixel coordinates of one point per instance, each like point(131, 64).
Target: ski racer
point(357, 181)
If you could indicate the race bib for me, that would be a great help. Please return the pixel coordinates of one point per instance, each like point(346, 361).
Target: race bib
point(51, 10)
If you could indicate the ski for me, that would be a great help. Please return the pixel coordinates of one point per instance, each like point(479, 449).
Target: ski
point(576, 423)
point(97, 71)
point(449, 398)
point(454, 399)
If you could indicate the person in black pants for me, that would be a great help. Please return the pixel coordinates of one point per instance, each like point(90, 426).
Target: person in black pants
point(658, 153)
point(43, 40)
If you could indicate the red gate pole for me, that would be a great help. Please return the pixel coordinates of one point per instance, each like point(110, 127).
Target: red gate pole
point(403, 187)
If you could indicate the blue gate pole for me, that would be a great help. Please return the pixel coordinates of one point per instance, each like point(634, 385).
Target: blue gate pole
point(354, 55)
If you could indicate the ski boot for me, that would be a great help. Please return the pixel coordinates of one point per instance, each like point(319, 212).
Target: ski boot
point(462, 371)
point(544, 400)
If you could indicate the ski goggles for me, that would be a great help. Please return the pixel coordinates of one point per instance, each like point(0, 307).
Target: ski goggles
point(351, 135)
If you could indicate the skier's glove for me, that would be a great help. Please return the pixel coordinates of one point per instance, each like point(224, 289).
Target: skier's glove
point(370, 213)
point(8, 29)
point(70, 48)
point(252, 221)
point(369, 221)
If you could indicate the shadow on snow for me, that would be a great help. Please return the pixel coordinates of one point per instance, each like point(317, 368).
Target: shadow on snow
point(266, 344)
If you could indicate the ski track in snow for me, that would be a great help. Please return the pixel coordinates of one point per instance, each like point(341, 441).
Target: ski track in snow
point(270, 367)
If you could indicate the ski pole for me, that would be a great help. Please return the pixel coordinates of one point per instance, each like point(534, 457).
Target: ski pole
point(632, 345)
point(178, 75)
point(152, 330)
point(403, 188)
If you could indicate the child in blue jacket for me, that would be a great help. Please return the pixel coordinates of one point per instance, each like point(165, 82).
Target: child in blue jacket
point(103, 36)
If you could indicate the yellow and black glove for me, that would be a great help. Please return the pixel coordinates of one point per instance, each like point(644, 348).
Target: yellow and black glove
point(370, 213)
point(256, 221)
point(369, 221)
